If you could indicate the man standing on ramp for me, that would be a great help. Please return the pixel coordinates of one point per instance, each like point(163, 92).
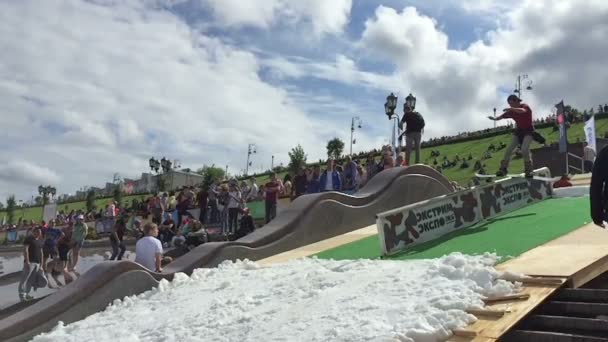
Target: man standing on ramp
point(599, 188)
point(523, 134)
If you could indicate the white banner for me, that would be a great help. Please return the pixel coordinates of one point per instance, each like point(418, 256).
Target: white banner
point(590, 132)
point(49, 212)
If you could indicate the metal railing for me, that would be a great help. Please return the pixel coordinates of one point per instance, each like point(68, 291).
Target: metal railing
point(568, 166)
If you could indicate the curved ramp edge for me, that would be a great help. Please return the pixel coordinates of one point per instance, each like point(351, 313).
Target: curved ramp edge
point(309, 219)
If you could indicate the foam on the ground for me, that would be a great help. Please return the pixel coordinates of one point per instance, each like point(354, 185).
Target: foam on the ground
point(301, 300)
point(571, 191)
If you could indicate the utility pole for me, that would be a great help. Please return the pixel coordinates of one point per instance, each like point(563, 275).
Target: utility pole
point(494, 117)
point(272, 163)
point(250, 150)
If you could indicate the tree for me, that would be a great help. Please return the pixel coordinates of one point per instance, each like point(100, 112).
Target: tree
point(118, 195)
point(297, 159)
point(211, 174)
point(334, 148)
point(90, 200)
point(1, 206)
point(11, 205)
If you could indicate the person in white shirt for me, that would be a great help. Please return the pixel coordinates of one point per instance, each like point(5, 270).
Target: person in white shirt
point(234, 203)
point(148, 250)
point(588, 157)
point(253, 191)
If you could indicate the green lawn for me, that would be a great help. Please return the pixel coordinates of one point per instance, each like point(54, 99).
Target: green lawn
point(35, 213)
point(508, 235)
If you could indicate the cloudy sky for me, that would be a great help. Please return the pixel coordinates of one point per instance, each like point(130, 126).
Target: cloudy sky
point(90, 88)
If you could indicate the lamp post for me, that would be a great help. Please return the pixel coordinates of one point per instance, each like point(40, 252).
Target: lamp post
point(494, 117)
point(359, 123)
point(389, 110)
point(272, 163)
point(161, 167)
point(250, 150)
point(518, 82)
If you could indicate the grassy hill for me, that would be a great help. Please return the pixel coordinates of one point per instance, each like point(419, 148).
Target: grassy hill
point(462, 176)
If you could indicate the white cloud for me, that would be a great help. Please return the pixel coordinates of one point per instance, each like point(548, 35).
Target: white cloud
point(132, 82)
point(324, 16)
point(27, 172)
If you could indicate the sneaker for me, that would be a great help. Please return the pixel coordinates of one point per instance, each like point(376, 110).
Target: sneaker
point(528, 174)
point(26, 298)
point(501, 172)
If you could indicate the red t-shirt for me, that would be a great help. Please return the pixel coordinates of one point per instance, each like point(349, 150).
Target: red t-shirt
point(271, 196)
point(562, 183)
point(523, 120)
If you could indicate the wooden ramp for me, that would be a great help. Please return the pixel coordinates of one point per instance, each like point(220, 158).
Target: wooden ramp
point(571, 260)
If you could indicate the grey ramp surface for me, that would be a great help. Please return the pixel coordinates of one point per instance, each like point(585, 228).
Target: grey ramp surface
point(309, 219)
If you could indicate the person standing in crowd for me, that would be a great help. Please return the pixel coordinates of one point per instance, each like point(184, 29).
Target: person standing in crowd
point(51, 237)
point(588, 157)
point(312, 184)
point(598, 192)
point(234, 206)
point(116, 239)
point(32, 257)
point(252, 195)
point(413, 132)
point(156, 209)
point(522, 135)
point(330, 179)
point(299, 183)
point(361, 177)
point(272, 189)
point(372, 167)
point(64, 245)
point(350, 174)
point(287, 186)
point(148, 250)
point(213, 202)
point(202, 198)
point(78, 236)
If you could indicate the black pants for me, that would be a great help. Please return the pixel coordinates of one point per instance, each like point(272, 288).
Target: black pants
point(214, 212)
point(116, 246)
point(271, 210)
point(233, 214)
point(203, 215)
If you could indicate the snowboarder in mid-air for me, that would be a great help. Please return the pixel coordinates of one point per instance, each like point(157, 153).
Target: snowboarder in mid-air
point(522, 136)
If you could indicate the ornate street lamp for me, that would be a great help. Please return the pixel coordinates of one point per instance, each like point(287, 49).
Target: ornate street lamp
point(410, 101)
point(390, 105)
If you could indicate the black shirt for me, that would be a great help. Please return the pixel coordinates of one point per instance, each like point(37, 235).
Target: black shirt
point(300, 184)
point(599, 187)
point(34, 249)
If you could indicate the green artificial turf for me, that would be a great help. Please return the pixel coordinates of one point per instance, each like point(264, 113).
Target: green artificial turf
point(508, 235)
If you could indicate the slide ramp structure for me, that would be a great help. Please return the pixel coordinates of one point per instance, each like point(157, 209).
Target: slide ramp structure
point(309, 219)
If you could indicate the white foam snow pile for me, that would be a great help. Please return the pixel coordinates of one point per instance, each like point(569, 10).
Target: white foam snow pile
point(302, 300)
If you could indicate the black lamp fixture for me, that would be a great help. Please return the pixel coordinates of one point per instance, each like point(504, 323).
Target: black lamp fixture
point(410, 101)
point(390, 105)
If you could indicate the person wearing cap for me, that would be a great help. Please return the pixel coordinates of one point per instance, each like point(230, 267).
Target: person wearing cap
point(79, 234)
point(598, 190)
point(522, 136)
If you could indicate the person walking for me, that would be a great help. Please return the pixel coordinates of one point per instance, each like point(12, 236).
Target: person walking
point(523, 135)
point(116, 239)
point(78, 236)
point(32, 258)
point(598, 190)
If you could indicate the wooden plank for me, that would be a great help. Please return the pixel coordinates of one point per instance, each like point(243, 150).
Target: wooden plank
point(562, 257)
point(512, 297)
point(486, 313)
point(464, 333)
point(493, 328)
